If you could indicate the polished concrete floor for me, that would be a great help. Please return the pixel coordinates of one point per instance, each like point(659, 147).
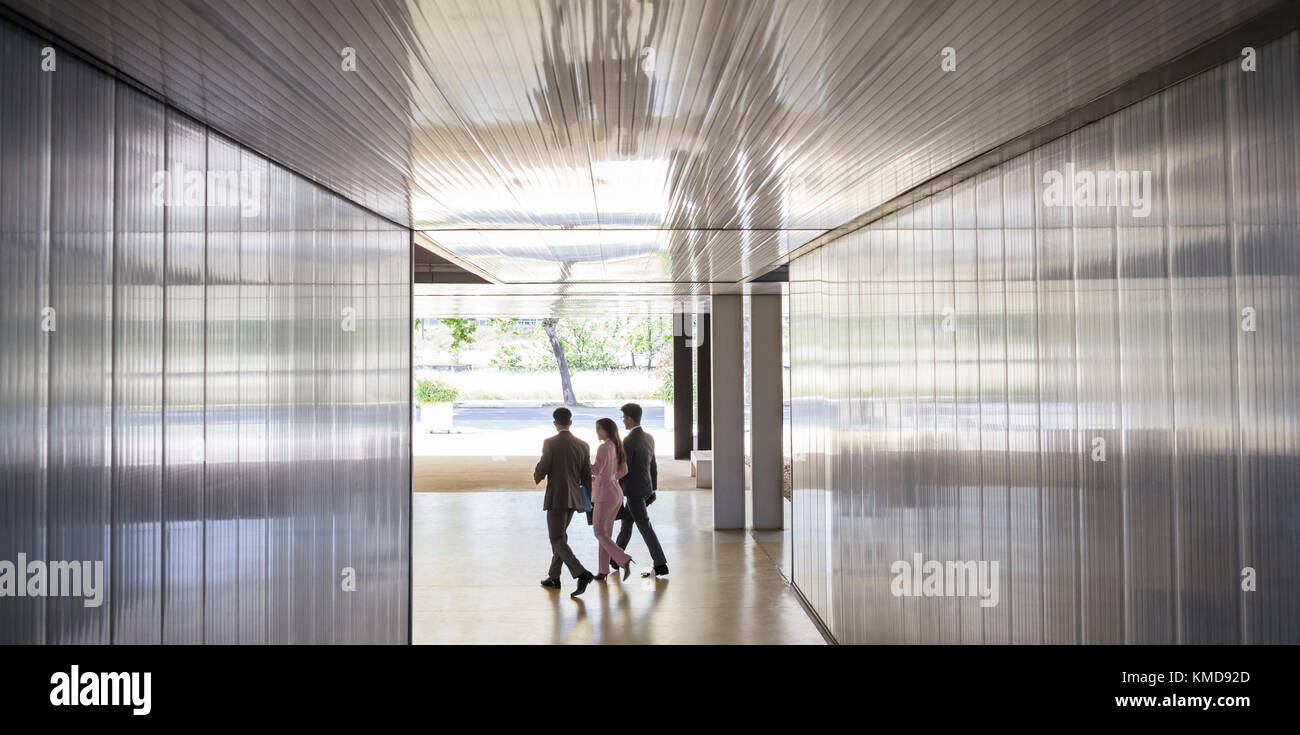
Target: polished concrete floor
point(480, 555)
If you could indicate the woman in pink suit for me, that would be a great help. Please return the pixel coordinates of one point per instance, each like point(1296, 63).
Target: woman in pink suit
point(607, 496)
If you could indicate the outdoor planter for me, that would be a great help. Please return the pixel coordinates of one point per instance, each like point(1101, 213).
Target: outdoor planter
point(433, 406)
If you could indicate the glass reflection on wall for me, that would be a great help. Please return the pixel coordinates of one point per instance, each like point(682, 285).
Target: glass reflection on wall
point(1057, 403)
point(203, 380)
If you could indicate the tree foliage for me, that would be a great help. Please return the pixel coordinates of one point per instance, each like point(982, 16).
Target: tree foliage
point(644, 337)
point(567, 345)
point(434, 391)
point(462, 331)
point(664, 371)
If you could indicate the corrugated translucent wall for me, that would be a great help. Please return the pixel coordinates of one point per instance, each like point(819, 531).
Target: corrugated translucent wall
point(217, 406)
point(1104, 403)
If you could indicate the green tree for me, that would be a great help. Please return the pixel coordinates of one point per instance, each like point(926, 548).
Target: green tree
point(508, 358)
point(566, 381)
point(645, 337)
point(462, 331)
point(506, 325)
point(588, 343)
point(665, 373)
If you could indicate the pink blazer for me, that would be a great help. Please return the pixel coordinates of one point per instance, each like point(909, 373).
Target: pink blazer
point(605, 476)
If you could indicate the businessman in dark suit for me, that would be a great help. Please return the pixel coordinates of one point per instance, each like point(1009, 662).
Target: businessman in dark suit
point(566, 465)
point(639, 487)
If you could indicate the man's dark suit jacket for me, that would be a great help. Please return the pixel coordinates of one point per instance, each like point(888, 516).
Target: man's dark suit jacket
point(642, 471)
point(566, 465)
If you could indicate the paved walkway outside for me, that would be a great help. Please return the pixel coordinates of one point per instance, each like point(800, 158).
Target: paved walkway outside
point(509, 473)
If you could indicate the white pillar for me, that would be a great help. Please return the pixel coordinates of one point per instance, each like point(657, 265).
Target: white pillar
point(766, 389)
point(728, 356)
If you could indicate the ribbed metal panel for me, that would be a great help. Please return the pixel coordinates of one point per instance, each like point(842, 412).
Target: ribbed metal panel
point(24, 293)
point(947, 365)
point(333, 245)
point(1101, 535)
point(201, 419)
point(396, 424)
point(137, 432)
point(1201, 252)
point(81, 348)
point(319, 494)
point(1264, 157)
point(253, 344)
point(1077, 393)
point(197, 431)
point(1024, 593)
point(280, 350)
point(1060, 447)
point(223, 373)
point(280, 507)
point(1145, 318)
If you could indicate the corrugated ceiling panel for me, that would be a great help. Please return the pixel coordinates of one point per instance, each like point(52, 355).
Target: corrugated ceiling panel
point(745, 117)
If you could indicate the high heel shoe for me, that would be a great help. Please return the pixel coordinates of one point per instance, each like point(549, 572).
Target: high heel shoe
point(627, 569)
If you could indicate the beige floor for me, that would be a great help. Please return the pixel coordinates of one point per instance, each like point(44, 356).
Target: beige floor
point(480, 555)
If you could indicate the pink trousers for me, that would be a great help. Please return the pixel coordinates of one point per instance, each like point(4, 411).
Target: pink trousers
point(602, 524)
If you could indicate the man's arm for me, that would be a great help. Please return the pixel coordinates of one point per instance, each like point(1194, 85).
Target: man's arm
point(543, 465)
point(586, 467)
point(633, 451)
point(654, 468)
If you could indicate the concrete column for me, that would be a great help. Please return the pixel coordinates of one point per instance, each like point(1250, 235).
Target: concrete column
point(766, 387)
point(727, 344)
point(704, 369)
point(683, 436)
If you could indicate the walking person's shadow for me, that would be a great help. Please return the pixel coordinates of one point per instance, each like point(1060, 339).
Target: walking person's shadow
point(559, 633)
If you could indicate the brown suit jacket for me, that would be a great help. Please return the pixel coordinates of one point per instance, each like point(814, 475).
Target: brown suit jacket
point(566, 465)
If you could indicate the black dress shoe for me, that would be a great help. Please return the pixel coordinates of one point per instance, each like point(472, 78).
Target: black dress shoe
point(661, 570)
point(584, 579)
point(552, 582)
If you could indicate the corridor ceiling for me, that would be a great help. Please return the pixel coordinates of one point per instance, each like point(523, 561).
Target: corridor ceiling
point(689, 144)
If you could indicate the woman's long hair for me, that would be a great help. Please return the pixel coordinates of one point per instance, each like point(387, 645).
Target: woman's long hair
point(611, 431)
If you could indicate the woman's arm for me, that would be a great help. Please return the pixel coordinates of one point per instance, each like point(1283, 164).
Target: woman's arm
point(602, 458)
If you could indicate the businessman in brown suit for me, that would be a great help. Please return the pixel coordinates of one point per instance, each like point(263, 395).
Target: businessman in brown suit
point(566, 465)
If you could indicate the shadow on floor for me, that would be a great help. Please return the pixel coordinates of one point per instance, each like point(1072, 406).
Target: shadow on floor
point(479, 557)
